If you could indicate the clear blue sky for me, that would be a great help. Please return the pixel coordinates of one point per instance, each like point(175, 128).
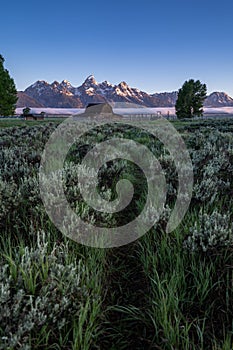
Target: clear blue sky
point(154, 45)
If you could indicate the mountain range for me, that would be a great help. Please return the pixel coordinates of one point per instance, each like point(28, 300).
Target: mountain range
point(64, 95)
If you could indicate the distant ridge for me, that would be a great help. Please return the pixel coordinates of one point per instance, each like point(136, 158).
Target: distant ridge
point(64, 95)
point(26, 100)
point(219, 99)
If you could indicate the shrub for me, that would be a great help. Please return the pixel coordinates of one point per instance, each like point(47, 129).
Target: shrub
point(210, 231)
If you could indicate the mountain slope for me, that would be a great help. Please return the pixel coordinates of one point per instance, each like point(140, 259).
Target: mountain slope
point(25, 100)
point(218, 99)
point(64, 95)
point(56, 95)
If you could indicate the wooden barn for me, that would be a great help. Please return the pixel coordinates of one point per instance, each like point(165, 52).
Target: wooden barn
point(31, 116)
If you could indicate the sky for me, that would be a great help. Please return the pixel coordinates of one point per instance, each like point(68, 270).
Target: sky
point(154, 45)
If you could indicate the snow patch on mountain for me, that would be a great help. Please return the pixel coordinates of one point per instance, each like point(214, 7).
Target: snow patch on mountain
point(64, 95)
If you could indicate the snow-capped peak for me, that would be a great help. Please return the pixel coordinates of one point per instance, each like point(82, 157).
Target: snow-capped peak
point(218, 99)
point(107, 84)
point(64, 94)
point(124, 85)
point(66, 83)
point(90, 80)
point(39, 83)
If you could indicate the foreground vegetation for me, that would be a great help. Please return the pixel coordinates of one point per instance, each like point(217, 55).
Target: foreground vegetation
point(164, 291)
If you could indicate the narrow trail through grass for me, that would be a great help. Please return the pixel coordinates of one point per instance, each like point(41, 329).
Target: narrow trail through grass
point(127, 290)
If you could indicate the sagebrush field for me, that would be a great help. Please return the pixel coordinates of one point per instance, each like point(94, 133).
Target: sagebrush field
point(163, 291)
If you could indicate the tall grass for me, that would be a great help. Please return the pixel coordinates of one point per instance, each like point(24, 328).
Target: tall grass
point(156, 293)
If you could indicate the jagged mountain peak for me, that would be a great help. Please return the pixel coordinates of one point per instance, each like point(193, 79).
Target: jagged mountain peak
point(90, 80)
point(55, 83)
point(39, 83)
point(106, 83)
point(123, 85)
point(66, 83)
point(65, 95)
point(218, 99)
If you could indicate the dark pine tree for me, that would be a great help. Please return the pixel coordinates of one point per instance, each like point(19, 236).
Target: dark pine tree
point(190, 99)
point(8, 92)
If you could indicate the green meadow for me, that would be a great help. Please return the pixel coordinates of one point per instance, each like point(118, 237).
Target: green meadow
point(163, 291)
